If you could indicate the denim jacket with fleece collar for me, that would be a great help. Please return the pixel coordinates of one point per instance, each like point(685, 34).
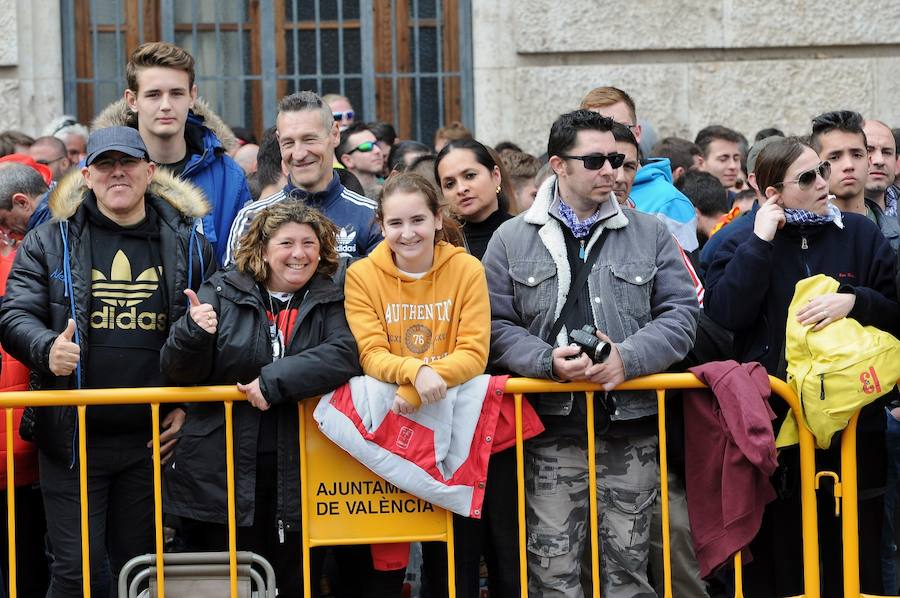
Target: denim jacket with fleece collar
point(640, 291)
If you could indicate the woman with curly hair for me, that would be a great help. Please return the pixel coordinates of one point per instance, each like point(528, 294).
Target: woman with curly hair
point(275, 326)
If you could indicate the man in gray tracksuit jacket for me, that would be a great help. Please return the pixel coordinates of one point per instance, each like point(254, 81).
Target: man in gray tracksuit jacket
point(641, 299)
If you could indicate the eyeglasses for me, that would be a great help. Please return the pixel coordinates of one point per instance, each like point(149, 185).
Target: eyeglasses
point(364, 147)
point(596, 161)
point(348, 114)
point(108, 164)
point(807, 178)
point(49, 162)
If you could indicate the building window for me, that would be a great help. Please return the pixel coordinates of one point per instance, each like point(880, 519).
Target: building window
point(407, 62)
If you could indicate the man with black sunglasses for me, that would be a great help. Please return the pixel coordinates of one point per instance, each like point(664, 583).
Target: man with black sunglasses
point(576, 257)
point(360, 154)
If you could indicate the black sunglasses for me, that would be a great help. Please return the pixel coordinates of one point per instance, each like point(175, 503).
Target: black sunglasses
point(807, 178)
point(596, 161)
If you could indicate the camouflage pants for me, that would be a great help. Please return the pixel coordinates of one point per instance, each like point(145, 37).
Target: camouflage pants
point(557, 487)
point(686, 582)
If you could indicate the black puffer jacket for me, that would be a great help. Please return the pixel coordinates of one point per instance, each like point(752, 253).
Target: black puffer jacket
point(320, 356)
point(37, 307)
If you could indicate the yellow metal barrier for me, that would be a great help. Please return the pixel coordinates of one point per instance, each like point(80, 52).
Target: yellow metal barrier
point(660, 383)
point(432, 524)
point(82, 399)
point(439, 524)
point(323, 462)
point(850, 517)
point(11, 501)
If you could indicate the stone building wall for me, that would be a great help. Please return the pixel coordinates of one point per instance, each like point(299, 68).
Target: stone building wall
point(30, 64)
point(747, 64)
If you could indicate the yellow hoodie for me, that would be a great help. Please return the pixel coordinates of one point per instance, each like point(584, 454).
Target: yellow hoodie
point(442, 319)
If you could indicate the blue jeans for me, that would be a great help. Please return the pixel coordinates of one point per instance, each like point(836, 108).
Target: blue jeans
point(891, 496)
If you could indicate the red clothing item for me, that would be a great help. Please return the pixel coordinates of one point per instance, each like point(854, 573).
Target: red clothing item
point(729, 456)
point(497, 420)
point(14, 376)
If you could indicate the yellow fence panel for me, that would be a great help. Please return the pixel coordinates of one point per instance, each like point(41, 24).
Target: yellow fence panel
point(344, 503)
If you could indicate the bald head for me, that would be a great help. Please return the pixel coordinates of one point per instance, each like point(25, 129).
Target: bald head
point(245, 156)
point(51, 152)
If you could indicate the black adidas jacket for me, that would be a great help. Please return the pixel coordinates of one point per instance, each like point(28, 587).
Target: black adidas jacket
point(36, 308)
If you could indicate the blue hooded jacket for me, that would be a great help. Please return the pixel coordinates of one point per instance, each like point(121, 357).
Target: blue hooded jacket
point(654, 193)
point(210, 168)
point(222, 181)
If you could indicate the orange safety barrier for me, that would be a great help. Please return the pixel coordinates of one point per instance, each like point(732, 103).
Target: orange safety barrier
point(322, 527)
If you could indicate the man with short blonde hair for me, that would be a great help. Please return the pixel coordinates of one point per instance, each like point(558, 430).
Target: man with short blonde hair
point(652, 191)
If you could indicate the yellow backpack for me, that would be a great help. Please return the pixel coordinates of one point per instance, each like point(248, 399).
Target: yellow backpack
point(835, 371)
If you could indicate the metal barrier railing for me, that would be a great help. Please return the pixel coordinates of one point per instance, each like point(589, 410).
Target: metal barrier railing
point(518, 387)
point(320, 529)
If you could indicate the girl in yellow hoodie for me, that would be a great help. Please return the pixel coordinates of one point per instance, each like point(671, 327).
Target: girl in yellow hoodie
point(417, 305)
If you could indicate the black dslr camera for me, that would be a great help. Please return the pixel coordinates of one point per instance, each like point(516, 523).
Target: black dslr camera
point(586, 339)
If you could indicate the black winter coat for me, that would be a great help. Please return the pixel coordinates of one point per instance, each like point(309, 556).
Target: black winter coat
point(320, 356)
point(37, 308)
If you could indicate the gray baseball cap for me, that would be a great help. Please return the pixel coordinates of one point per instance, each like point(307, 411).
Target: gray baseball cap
point(116, 139)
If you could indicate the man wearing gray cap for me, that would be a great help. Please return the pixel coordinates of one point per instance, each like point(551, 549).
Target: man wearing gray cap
point(88, 305)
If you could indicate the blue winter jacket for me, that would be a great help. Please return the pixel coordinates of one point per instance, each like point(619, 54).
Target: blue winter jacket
point(654, 193)
point(222, 181)
point(41, 212)
point(209, 167)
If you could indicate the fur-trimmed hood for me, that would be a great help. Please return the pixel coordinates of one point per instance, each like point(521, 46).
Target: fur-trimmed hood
point(183, 196)
point(119, 114)
point(540, 211)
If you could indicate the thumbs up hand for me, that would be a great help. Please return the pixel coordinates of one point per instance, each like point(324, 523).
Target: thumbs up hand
point(64, 354)
point(203, 314)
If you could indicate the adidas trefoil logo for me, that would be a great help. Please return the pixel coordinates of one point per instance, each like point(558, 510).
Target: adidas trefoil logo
point(346, 240)
point(122, 290)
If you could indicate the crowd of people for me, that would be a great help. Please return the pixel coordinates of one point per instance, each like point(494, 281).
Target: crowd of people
point(161, 247)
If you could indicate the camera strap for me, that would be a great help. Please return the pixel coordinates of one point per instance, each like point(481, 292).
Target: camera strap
point(577, 285)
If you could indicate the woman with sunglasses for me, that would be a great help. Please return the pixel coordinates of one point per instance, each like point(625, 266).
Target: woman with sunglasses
point(472, 181)
point(798, 233)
